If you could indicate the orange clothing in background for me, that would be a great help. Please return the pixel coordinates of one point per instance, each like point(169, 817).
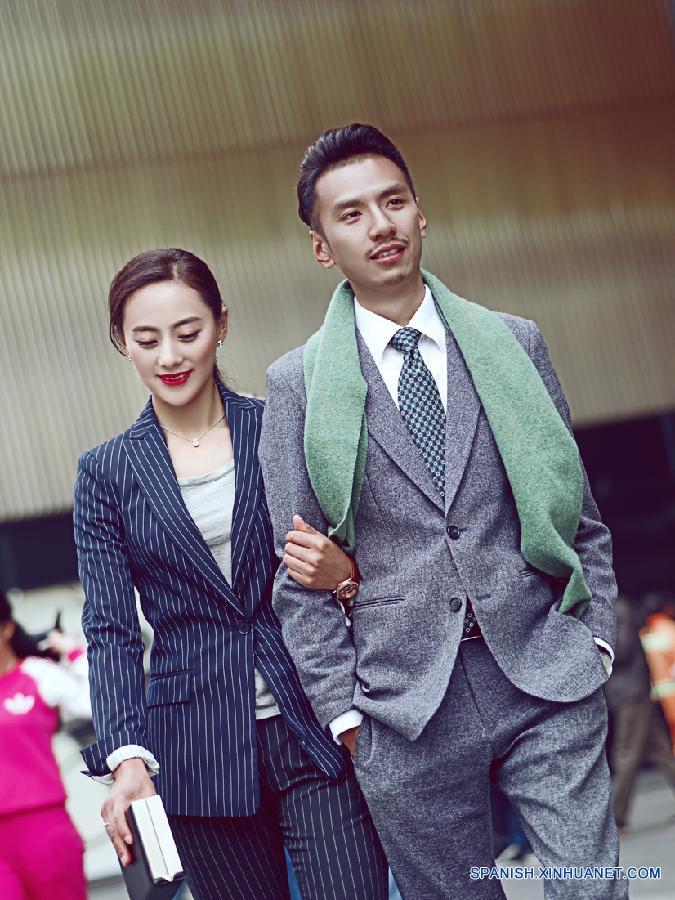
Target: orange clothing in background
point(658, 641)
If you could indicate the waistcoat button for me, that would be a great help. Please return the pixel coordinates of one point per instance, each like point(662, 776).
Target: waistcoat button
point(453, 532)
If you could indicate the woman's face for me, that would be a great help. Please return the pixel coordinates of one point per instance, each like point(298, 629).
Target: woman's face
point(170, 334)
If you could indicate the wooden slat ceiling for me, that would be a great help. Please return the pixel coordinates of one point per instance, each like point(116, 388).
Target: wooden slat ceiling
point(541, 134)
point(109, 82)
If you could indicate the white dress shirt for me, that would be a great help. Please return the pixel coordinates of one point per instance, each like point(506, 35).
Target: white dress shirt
point(376, 332)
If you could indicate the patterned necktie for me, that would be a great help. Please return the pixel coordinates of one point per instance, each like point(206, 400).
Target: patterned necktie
point(420, 404)
point(422, 410)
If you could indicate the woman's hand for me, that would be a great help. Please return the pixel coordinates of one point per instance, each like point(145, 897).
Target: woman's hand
point(61, 643)
point(132, 782)
point(312, 559)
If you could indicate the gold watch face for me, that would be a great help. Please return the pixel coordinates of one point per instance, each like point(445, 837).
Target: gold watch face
point(347, 590)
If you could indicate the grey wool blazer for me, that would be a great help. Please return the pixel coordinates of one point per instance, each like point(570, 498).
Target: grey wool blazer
point(421, 559)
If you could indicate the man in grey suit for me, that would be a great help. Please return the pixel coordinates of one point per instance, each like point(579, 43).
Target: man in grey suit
point(431, 438)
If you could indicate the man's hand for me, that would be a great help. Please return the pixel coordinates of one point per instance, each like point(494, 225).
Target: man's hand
point(132, 782)
point(312, 559)
point(348, 738)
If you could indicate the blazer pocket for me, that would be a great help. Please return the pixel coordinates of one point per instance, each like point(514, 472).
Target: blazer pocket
point(377, 601)
point(165, 689)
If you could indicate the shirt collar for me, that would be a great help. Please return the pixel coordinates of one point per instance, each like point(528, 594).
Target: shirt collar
point(377, 331)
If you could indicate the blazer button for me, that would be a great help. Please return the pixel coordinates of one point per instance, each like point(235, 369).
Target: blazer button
point(244, 628)
point(455, 604)
point(453, 532)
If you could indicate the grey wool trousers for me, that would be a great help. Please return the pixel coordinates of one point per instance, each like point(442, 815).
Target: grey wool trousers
point(429, 797)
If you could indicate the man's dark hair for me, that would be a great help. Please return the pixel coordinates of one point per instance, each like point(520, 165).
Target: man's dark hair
point(336, 147)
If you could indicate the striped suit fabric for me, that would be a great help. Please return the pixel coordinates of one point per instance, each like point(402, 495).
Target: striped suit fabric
point(325, 825)
point(133, 531)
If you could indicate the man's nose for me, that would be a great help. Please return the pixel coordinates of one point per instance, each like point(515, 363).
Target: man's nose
point(381, 225)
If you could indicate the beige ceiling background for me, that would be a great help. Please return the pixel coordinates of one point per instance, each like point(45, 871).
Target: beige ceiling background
point(541, 134)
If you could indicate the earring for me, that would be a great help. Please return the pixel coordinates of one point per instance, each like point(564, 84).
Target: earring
point(219, 344)
point(128, 357)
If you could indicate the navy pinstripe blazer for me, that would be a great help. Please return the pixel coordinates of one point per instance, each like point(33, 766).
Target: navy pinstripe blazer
point(132, 530)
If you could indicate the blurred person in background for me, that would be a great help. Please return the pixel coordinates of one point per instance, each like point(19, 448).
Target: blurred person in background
point(510, 841)
point(658, 640)
point(174, 507)
point(41, 853)
point(639, 733)
point(431, 437)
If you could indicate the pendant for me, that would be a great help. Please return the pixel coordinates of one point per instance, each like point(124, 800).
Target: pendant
point(195, 442)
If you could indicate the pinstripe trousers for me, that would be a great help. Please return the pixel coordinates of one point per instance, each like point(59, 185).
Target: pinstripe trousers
point(324, 823)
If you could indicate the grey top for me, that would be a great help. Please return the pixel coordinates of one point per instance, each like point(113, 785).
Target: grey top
point(210, 501)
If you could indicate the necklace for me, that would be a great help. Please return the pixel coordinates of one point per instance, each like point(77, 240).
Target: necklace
point(195, 440)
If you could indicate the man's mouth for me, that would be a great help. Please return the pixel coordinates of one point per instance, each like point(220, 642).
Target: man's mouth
point(388, 254)
point(176, 379)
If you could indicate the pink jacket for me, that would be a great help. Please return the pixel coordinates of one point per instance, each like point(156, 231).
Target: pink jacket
point(32, 695)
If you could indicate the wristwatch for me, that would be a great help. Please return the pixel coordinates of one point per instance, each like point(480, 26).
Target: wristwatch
point(346, 590)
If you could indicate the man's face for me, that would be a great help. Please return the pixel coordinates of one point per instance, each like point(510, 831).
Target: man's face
point(368, 225)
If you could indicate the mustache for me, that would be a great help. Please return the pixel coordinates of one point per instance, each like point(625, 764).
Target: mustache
point(390, 243)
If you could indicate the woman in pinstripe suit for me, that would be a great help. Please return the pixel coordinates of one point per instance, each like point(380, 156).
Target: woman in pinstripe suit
point(174, 508)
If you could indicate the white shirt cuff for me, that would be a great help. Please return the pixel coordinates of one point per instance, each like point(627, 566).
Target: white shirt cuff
point(607, 662)
point(350, 719)
point(129, 751)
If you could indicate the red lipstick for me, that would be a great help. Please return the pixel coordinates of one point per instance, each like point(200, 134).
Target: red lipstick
point(175, 380)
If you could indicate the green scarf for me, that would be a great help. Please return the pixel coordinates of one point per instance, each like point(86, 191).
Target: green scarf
point(540, 456)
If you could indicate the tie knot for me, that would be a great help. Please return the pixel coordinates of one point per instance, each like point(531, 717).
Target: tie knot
point(406, 339)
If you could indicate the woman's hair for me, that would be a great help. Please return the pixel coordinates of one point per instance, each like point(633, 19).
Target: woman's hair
point(21, 643)
point(154, 266)
point(5, 609)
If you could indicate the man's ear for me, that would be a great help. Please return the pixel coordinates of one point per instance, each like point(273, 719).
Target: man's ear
point(422, 219)
point(321, 250)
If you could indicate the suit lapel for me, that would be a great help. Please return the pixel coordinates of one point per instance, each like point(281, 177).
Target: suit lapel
point(387, 427)
point(463, 408)
point(150, 460)
point(245, 431)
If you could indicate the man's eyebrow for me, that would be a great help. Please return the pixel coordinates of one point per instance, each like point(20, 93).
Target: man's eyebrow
point(187, 321)
point(345, 204)
point(357, 201)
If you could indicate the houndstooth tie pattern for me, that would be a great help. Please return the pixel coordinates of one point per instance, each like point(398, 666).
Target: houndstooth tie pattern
point(422, 410)
point(420, 404)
